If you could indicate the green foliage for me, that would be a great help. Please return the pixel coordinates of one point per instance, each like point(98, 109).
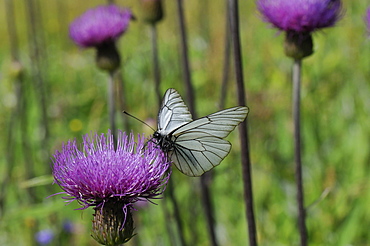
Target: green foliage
point(335, 119)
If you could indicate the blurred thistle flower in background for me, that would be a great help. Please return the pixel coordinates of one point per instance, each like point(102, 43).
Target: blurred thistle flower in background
point(111, 181)
point(151, 10)
point(100, 27)
point(299, 19)
point(44, 237)
point(300, 15)
point(68, 226)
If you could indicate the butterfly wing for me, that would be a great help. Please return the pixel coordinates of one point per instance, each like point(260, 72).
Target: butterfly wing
point(173, 113)
point(218, 124)
point(199, 144)
point(200, 155)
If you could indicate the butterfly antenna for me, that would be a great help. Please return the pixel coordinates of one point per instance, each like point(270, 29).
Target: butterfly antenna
point(125, 112)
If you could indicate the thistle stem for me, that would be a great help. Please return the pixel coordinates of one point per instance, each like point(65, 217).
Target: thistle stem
point(156, 70)
point(170, 188)
point(112, 106)
point(297, 150)
point(177, 213)
point(205, 182)
point(227, 55)
point(243, 130)
point(36, 42)
point(38, 69)
point(185, 59)
point(206, 194)
point(122, 97)
point(169, 228)
point(15, 114)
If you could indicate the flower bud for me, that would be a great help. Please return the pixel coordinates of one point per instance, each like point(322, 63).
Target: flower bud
point(298, 45)
point(107, 57)
point(112, 225)
point(152, 10)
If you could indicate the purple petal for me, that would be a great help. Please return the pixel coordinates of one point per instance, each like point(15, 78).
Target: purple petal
point(96, 171)
point(300, 15)
point(99, 25)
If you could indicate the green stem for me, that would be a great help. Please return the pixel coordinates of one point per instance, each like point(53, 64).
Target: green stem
point(177, 213)
point(206, 193)
point(112, 107)
point(227, 55)
point(243, 130)
point(185, 59)
point(156, 70)
point(170, 188)
point(297, 150)
point(15, 114)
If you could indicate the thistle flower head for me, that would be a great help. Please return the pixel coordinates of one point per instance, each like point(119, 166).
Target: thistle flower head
point(97, 171)
point(303, 16)
point(99, 25)
point(110, 180)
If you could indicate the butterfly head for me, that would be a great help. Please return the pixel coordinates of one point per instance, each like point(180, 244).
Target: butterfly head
point(164, 141)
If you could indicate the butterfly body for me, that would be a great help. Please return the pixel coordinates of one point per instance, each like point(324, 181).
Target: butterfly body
point(164, 141)
point(194, 146)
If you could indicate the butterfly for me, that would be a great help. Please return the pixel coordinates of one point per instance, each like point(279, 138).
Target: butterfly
point(195, 147)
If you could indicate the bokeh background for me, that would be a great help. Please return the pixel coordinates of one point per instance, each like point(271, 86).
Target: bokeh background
point(63, 96)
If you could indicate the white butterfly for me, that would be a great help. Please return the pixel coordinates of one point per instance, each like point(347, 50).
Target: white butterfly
point(196, 146)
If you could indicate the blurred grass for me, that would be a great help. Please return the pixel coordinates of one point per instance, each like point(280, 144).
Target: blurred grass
point(336, 132)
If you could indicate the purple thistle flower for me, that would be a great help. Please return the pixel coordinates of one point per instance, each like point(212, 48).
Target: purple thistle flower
point(110, 180)
point(44, 237)
point(103, 24)
point(302, 16)
point(98, 172)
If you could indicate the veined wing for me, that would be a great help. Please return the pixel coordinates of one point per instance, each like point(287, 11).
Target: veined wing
point(194, 157)
point(173, 113)
point(218, 124)
point(199, 145)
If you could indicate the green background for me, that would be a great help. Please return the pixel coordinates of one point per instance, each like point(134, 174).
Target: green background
point(335, 124)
